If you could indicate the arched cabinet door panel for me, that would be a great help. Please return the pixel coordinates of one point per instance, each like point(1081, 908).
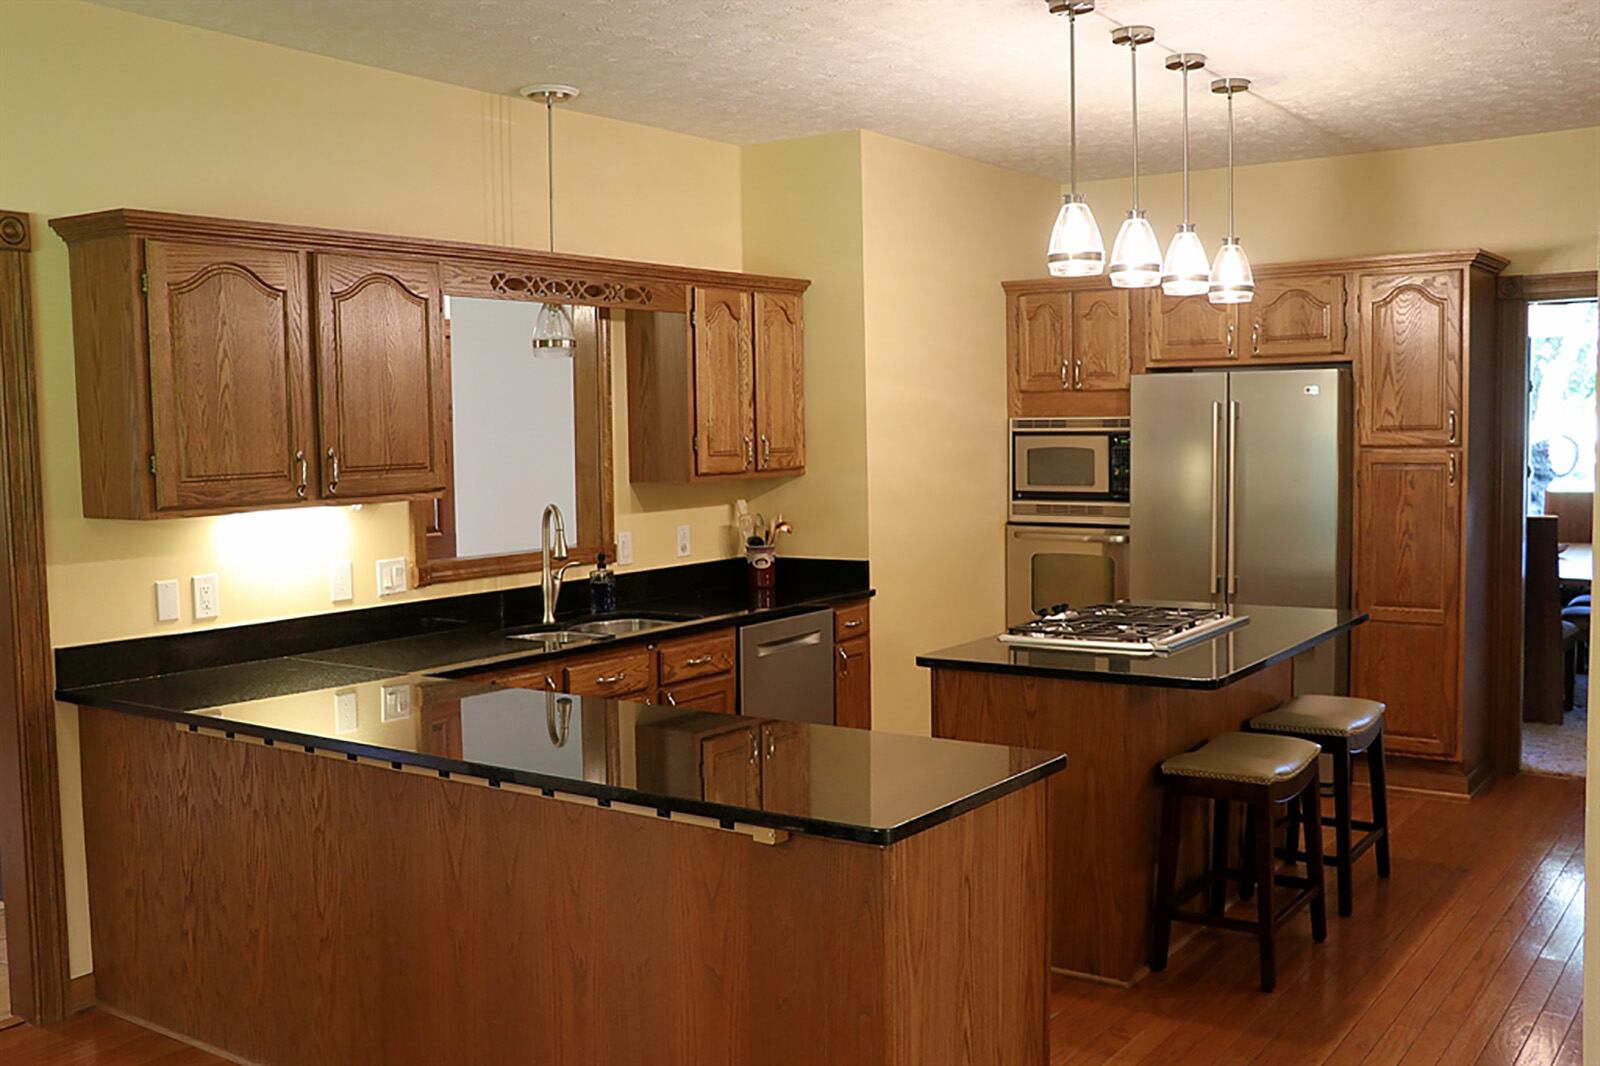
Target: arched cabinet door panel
point(1409, 366)
point(724, 400)
point(1041, 341)
point(1297, 315)
point(1101, 357)
point(780, 382)
point(382, 378)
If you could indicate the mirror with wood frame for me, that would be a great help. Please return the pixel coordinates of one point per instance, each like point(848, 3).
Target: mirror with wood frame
point(527, 428)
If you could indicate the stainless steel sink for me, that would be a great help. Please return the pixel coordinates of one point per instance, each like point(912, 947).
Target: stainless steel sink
point(554, 639)
point(619, 627)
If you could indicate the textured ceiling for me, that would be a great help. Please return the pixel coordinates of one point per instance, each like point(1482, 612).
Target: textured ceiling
point(986, 78)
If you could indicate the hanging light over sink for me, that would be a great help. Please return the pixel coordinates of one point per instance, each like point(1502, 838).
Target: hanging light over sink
point(552, 329)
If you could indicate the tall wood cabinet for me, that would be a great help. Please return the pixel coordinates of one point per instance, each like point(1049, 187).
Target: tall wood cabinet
point(1070, 345)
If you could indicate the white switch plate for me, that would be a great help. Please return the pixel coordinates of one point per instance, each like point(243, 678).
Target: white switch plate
point(683, 542)
point(346, 711)
point(391, 576)
point(167, 601)
point(340, 583)
point(624, 549)
point(205, 596)
point(396, 703)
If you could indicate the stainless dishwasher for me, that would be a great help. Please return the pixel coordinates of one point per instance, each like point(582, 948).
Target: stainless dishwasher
point(786, 668)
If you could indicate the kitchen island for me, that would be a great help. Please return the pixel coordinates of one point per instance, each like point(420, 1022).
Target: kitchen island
point(1117, 717)
point(416, 869)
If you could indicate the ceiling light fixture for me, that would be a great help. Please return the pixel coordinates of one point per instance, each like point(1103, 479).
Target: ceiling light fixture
point(1076, 249)
point(1185, 271)
point(552, 330)
point(1136, 254)
point(1231, 279)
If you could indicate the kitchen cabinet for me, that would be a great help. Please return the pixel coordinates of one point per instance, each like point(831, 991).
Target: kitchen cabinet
point(383, 382)
point(1410, 359)
point(718, 694)
point(1190, 329)
point(730, 767)
point(699, 672)
point(1070, 346)
point(852, 671)
point(1296, 316)
point(721, 394)
point(786, 767)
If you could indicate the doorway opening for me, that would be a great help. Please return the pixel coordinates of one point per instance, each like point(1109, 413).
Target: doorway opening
point(1560, 462)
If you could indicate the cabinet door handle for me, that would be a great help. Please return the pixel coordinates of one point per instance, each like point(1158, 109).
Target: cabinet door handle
point(1450, 423)
point(749, 452)
point(844, 663)
point(305, 473)
point(1077, 373)
point(772, 746)
point(611, 679)
point(1066, 381)
point(671, 700)
point(1452, 468)
point(1255, 337)
point(766, 450)
point(333, 477)
point(1230, 340)
point(698, 660)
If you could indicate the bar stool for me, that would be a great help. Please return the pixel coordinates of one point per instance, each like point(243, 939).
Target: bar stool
point(1262, 772)
point(1344, 727)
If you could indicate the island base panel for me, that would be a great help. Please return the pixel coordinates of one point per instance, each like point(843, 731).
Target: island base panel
point(289, 907)
point(1105, 808)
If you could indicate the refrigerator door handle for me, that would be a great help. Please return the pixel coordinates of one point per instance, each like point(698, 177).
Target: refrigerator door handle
point(1233, 483)
point(1216, 488)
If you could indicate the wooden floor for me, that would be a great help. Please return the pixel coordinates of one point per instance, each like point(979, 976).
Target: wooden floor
point(1470, 954)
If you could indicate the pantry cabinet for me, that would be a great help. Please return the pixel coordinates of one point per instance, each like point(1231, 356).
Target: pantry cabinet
point(1411, 358)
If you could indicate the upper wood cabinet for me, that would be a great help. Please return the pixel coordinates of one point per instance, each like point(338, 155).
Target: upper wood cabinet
point(721, 395)
point(1297, 316)
point(1070, 348)
point(384, 388)
point(1190, 329)
point(230, 378)
point(1409, 367)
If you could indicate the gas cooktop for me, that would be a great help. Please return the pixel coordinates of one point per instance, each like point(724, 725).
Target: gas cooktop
point(1122, 628)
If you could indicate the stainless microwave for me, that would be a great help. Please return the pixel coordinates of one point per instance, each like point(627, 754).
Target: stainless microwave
point(1070, 471)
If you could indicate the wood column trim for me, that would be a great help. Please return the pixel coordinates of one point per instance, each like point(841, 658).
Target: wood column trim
point(30, 799)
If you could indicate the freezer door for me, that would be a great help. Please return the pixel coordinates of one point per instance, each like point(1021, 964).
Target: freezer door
point(1176, 529)
point(1287, 488)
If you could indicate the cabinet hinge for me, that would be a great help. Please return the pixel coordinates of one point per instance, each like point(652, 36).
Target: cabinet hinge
point(144, 281)
point(152, 462)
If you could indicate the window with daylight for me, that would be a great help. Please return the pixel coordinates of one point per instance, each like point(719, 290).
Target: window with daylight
point(1561, 398)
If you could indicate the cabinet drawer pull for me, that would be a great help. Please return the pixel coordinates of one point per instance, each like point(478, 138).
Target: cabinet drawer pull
point(671, 700)
point(852, 623)
point(1450, 422)
point(305, 473)
point(699, 660)
point(611, 679)
point(333, 477)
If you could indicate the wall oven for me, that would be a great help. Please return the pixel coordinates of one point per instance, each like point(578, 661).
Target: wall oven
point(1070, 471)
point(1077, 565)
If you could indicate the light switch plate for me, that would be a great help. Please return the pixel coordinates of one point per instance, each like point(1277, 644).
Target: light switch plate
point(346, 711)
point(396, 703)
point(340, 582)
point(205, 596)
point(624, 549)
point(391, 576)
point(683, 542)
point(167, 601)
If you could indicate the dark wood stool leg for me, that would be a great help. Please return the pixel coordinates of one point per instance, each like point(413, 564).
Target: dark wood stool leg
point(1260, 820)
point(1247, 862)
point(1341, 824)
point(1310, 803)
point(1166, 876)
point(1380, 802)
point(1219, 857)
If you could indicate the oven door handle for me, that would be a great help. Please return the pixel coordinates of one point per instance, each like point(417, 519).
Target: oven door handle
point(1076, 538)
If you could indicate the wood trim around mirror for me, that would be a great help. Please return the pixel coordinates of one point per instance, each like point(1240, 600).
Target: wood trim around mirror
point(433, 520)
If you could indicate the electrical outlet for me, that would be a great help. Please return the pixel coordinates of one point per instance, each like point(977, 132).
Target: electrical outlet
point(683, 542)
point(391, 576)
point(167, 601)
point(396, 703)
point(346, 711)
point(624, 549)
point(340, 582)
point(205, 596)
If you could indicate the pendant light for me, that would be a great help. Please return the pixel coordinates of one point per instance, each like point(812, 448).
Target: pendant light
point(1185, 271)
point(1231, 279)
point(1076, 249)
point(552, 329)
point(1136, 254)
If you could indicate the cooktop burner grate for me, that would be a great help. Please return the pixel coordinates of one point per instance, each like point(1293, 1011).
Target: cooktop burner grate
point(1127, 628)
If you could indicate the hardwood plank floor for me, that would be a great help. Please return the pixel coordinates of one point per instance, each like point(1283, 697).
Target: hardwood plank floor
point(1471, 953)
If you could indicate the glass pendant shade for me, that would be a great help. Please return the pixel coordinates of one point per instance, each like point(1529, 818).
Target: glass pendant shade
point(1076, 249)
point(1185, 271)
point(1136, 254)
point(1231, 279)
point(552, 331)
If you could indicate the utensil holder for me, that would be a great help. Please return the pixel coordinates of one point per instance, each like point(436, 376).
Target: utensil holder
point(763, 562)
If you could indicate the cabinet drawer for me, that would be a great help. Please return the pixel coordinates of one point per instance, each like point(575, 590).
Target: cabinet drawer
point(622, 673)
point(542, 675)
point(718, 694)
point(851, 621)
point(698, 656)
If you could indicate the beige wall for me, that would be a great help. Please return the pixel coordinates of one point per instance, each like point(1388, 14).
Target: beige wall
point(1533, 199)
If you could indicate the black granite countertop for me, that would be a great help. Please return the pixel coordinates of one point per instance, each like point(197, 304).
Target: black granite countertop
point(853, 784)
point(1272, 635)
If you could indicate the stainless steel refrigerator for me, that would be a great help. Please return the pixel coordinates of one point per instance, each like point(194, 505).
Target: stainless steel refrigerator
point(1241, 495)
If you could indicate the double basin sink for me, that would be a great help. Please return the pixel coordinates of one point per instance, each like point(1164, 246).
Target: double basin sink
point(567, 634)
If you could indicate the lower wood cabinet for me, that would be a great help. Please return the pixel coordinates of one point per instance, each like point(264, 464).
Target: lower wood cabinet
point(852, 670)
point(718, 693)
point(733, 761)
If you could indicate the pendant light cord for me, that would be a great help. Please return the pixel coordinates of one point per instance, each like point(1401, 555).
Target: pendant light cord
point(550, 163)
point(1231, 231)
point(1072, 99)
point(1186, 145)
point(1133, 60)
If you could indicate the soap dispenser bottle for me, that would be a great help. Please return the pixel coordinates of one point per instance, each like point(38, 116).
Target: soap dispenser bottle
point(602, 587)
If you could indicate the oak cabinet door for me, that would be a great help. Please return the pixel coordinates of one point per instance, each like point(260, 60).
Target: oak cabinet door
point(1302, 315)
point(786, 767)
point(1041, 332)
point(1408, 364)
point(730, 770)
point(724, 402)
point(1188, 329)
point(1408, 573)
point(780, 382)
point(383, 379)
point(230, 375)
point(1101, 357)
point(852, 683)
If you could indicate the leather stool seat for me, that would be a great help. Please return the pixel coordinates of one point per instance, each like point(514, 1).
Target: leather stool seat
point(1247, 758)
point(1333, 716)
